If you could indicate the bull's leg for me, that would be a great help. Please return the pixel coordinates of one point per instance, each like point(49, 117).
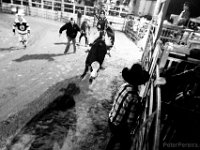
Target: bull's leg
point(85, 71)
point(91, 80)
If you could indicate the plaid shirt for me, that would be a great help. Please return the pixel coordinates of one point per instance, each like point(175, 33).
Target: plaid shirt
point(124, 106)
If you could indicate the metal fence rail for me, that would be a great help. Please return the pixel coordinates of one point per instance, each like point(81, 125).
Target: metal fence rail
point(61, 10)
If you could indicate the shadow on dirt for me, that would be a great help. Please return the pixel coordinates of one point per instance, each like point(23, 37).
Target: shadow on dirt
point(98, 133)
point(48, 57)
point(66, 122)
point(60, 43)
point(12, 48)
point(49, 128)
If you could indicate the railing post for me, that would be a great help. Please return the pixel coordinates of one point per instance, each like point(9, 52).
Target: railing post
point(74, 8)
point(1, 5)
point(120, 11)
point(62, 9)
point(108, 9)
point(29, 3)
point(157, 7)
point(158, 113)
point(28, 10)
point(85, 9)
point(42, 4)
point(53, 1)
point(161, 17)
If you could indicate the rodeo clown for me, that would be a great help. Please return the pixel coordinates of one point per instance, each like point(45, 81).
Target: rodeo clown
point(22, 27)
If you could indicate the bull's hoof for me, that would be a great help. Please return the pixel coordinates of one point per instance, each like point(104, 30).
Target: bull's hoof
point(102, 68)
point(82, 76)
point(87, 51)
point(108, 53)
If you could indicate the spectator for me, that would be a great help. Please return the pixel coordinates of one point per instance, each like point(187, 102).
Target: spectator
point(72, 30)
point(125, 109)
point(79, 16)
point(183, 17)
point(85, 29)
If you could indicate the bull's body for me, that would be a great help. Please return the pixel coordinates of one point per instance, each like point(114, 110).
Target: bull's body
point(96, 54)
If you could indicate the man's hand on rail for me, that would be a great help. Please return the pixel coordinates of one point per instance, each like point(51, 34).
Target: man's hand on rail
point(159, 81)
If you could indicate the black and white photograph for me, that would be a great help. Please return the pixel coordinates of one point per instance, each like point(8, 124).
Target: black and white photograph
point(99, 74)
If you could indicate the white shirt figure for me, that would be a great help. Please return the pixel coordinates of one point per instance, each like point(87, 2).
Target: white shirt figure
point(22, 28)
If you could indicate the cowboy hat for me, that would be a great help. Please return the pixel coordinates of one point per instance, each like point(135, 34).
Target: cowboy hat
point(135, 75)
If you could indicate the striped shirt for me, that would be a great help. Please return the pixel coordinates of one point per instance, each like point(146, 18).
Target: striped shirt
point(124, 106)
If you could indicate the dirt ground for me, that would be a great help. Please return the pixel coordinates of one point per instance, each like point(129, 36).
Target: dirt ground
point(32, 78)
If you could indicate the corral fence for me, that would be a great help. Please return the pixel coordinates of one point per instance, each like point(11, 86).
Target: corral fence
point(136, 27)
point(62, 10)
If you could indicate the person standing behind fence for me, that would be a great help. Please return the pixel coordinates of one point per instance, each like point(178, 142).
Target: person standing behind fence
point(126, 107)
point(85, 29)
point(185, 15)
point(72, 30)
point(79, 17)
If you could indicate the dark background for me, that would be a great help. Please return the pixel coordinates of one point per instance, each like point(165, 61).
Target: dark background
point(176, 6)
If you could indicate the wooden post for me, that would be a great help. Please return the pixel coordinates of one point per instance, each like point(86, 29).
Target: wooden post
point(0, 5)
point(85, 9)
point(74, 8)
point(29, 3)
point(62, 9)
point(42, 4)
point(120, 11)
point(52, 6)
point(29, 7)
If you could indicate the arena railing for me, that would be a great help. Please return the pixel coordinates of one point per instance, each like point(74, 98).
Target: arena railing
point(62, 11)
